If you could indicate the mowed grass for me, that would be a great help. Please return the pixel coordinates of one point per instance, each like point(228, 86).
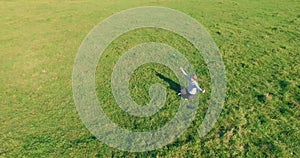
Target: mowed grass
point(259, 43)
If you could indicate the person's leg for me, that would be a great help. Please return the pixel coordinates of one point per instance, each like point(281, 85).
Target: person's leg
point(183, 91)
point(190, 96)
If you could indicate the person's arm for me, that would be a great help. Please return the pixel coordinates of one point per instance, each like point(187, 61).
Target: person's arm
point(185, 74)
point(199, 89)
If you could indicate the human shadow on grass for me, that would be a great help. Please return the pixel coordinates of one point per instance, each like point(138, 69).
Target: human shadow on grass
point(173, 85)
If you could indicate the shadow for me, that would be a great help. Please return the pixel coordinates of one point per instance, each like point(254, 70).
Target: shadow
point(262, 98)
point(284, 84)
point(173, 85)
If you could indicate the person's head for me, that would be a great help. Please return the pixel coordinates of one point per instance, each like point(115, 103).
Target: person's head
point(194, 77)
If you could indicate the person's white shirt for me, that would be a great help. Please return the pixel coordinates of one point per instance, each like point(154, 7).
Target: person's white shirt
point(193, 84)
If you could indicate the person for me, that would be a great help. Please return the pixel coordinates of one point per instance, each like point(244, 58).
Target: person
point(191, 90)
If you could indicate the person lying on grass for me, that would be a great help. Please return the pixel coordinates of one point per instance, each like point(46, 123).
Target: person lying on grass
point(191, 90)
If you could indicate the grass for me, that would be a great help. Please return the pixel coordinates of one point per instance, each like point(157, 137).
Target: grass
point(259, 45)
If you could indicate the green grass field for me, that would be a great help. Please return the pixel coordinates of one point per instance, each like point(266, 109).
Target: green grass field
point(259, 42)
